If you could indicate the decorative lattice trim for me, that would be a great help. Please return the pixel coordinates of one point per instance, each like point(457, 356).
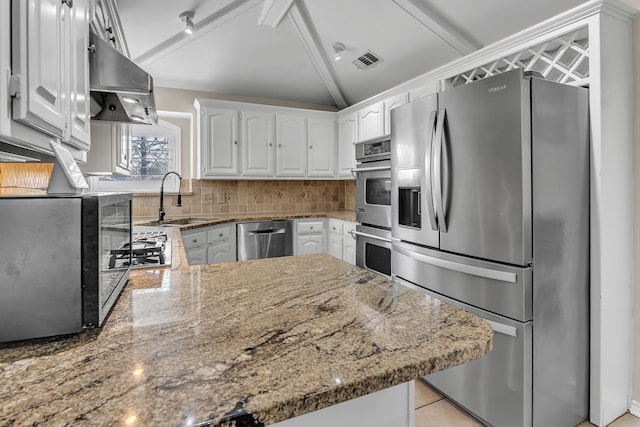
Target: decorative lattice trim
point(564, 59)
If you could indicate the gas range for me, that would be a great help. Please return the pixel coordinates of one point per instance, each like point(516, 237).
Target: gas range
point(151, 248)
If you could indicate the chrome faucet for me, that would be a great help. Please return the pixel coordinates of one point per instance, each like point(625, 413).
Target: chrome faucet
point(178, 204)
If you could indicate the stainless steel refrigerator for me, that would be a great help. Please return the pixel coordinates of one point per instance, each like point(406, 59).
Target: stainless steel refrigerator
point(490, 212)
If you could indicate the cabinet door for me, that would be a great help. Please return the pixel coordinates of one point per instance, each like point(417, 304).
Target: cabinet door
point(291, 153)
point(371, 122)
point(349, 245)
point(219, 142)
point(79, 127)
point(390, 104)
point(257, 144)
point(5, 66)
point(335, 245)
point(218, 252)
point(321, 140)
point(346, 151)
point(39, 51)
point(309, 244)
point(196, 255)
point(426, 90)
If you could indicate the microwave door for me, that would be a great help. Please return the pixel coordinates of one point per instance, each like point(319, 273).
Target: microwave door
point(412, 211)
point(482, 169)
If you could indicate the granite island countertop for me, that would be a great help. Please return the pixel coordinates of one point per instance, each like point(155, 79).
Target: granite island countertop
point(247, 343)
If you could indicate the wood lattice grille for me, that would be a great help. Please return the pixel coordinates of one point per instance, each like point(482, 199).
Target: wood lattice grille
point(564, 59)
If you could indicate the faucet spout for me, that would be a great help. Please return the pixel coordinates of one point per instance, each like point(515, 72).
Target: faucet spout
point(161, 212)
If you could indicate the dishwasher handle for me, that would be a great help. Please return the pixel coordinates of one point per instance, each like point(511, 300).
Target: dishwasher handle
point(269, 231)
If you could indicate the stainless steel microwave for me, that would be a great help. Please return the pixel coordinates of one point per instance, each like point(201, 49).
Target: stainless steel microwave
point(58, 273)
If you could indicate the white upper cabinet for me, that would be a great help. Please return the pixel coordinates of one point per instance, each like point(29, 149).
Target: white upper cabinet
point(271, 141)
point(321, 142)
point(5, 66)
point(39, 53)
point(50, 70)
point(218, 136)
point(371, 121)
point(425, 90)
point(390, 104)
point(347, 134)
point(291, 137)
point(79, 109)
point(257, 143)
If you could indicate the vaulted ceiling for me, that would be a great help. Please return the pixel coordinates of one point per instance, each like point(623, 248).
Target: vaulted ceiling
point(283, 49)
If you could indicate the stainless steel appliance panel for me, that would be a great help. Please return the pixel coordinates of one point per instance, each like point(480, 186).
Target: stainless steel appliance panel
point(373, 193)
point(497, 288)
point(561, 253)
point(412, 207)
point(265, 239)
point(373, 249)
point(40, 267)
point(483, 165)
point(504, 375)
point(106, 226)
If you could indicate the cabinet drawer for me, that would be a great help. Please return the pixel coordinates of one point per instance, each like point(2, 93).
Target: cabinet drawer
point(218, 234)
point(310, 227)
point(194, 238)
point(335, 226)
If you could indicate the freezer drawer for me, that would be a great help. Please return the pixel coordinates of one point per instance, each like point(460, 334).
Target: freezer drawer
point(496, 388)
point(498, 288)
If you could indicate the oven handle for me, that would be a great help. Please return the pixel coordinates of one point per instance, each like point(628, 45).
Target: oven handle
point(371, 169)
point(355, 233)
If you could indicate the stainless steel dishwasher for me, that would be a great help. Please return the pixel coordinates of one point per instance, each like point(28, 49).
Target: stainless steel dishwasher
point(265, 239)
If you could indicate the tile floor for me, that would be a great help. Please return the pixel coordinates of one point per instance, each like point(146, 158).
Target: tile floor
point(433, 409)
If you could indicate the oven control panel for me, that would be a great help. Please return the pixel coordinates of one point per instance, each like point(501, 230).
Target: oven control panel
point(376, 149)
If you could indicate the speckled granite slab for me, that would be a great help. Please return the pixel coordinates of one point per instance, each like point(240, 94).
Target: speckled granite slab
point(249, 343)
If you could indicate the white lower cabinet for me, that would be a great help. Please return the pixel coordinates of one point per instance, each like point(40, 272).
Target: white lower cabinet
point(349, 243)
point(210, 245)
point(309, 236)
point(342, 244)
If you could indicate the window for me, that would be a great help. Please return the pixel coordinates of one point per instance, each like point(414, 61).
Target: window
point(155, 150)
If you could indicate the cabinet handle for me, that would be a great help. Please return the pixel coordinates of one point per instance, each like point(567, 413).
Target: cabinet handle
point(310, 147)
point(280, 145)
point(220, 235)
point(235, 142)
point(195, 240)
point(311, 228)
point(270, 144)
point(68, 3)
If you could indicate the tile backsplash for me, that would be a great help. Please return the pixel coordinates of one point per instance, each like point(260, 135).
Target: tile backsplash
point(205, 197)
point(24, 178)
point(248, 196)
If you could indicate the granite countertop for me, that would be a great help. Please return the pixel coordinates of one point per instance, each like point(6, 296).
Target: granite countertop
point(236, 343)
point(208, 220)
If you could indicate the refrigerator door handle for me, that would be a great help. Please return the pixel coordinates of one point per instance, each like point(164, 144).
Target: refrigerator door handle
point(502, 328)
point(503, 276)
point(437, 170)
point(428, 165)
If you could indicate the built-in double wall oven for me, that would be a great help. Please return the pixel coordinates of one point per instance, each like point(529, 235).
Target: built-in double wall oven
point(373, 205)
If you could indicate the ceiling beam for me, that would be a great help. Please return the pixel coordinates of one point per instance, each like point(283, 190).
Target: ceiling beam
point(446, 32)
point(305, 30)
point(201, 28)
point(273, 11)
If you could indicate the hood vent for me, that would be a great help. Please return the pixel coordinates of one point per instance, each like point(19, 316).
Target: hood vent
point(121, 91)
point(367, 60)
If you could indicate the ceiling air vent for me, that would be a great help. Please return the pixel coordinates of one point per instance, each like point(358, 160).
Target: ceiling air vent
point(367, 60)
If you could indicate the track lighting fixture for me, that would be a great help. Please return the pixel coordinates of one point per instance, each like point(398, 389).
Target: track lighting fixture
point(187, 18)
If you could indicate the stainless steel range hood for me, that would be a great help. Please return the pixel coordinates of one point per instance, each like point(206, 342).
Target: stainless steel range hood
point(120, 90)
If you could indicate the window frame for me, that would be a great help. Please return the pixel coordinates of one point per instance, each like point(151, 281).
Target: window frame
point(171, 184)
